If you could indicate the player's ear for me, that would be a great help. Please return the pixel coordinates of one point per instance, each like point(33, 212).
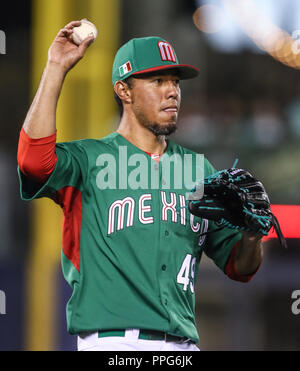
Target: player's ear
point(123, 91)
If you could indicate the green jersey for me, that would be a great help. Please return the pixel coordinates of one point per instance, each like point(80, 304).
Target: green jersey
point(131, 249)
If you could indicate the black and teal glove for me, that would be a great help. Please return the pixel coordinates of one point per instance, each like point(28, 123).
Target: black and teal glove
point(234, 198)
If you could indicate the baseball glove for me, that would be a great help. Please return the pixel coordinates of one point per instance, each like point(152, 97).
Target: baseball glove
point(234, 198)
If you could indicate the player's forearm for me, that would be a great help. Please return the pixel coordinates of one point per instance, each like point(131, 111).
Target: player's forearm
point(249, 254)
point(41, 118)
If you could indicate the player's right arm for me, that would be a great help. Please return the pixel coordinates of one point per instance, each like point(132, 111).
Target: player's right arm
point(63, 55)
point(36, 150)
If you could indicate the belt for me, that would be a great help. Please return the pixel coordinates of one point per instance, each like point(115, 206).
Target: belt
point(146, 335)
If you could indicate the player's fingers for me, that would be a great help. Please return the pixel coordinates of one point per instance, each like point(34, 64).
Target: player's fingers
point(85, 44)
point(72, 24)
point(64, 32)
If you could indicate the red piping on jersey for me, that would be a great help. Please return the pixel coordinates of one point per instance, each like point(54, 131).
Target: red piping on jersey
point(231, 271)
point(36, 157)
point(69, 198)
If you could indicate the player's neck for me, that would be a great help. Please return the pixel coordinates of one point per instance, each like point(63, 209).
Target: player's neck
point(142, 137)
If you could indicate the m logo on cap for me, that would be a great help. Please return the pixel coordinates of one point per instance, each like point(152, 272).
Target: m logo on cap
point(166, 51)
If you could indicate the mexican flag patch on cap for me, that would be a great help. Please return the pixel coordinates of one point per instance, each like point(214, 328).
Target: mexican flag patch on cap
point(125, 68)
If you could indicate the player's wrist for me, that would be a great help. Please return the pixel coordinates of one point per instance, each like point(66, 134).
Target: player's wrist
point(55, 69)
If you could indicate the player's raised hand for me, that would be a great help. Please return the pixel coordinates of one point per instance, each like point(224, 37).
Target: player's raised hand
point(63, 51)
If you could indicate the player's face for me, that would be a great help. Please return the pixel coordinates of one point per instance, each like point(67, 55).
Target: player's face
point(156, 102)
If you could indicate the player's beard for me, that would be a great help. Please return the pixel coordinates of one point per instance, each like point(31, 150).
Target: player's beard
point(156, 128)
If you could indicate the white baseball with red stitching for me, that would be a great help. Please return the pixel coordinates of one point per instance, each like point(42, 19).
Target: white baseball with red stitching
point(83, 31)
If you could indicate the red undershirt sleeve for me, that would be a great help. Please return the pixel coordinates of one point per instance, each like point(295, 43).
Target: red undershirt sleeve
point(231, 271)
point(36, 157)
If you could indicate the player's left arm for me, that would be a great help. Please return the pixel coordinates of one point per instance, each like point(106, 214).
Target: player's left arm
point(245, 257)
point(237, 253)
point(249, 253)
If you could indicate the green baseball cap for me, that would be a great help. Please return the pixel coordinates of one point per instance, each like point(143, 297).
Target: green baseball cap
point(148, 54)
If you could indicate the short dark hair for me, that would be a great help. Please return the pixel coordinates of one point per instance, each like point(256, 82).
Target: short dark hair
point(129, 82)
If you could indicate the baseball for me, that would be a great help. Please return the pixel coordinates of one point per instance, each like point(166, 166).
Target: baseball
point(83, 31)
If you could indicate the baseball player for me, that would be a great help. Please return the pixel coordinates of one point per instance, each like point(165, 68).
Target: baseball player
point(131, 248)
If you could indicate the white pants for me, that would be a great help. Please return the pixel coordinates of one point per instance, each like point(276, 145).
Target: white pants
point(129, 342)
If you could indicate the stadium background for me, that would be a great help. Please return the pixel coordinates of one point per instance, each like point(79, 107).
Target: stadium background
point(245, 105)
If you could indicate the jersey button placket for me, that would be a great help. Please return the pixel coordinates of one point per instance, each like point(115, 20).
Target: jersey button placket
point(164, 250)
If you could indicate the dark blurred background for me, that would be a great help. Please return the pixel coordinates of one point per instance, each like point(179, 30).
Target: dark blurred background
point(245, 105)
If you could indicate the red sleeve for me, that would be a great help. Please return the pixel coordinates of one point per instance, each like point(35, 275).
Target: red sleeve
point(230, 268)
point(36, 157)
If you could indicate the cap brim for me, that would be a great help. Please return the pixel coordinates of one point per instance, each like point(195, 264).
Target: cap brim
point(185, 71)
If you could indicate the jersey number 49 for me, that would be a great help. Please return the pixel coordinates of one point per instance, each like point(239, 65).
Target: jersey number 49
point(186, 273)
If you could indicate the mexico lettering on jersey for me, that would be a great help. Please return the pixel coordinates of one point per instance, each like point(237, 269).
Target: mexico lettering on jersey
point(121, 212)
point(131, 249)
